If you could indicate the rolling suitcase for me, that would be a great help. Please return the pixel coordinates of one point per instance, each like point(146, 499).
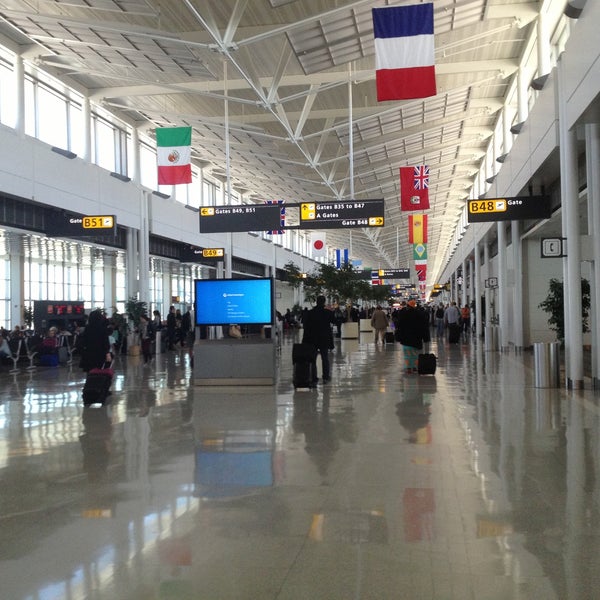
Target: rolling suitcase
point(303, 360)
point(97, 386)
point(389, 337)
point(426, 364)
point(453, 333)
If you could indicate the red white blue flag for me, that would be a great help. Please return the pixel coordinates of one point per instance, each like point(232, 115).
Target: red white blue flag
point(281, 217)
point(404, 52)
point(414, 188)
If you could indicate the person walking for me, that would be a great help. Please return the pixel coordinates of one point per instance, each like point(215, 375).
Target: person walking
point(171, 328)
point(452, 321)
point(465, 319)
point(439, 320)
point(95, 345)
point(380, 323)
point(146, 331)
point(413, 329)
point(317, 331)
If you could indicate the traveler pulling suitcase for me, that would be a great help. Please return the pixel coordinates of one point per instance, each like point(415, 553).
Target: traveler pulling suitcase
point(303, 360)
point(426, 364)
point(97, 385)
point(453, 333)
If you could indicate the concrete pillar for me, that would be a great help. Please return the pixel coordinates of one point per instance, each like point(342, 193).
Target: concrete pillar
point(569, 191)
point(502, 287)
point(517, 298)
point(592, 145)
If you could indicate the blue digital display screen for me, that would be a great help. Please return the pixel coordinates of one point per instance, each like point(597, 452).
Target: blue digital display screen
point(233, 301)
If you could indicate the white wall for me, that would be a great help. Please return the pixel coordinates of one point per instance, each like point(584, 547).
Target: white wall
point(32, 171)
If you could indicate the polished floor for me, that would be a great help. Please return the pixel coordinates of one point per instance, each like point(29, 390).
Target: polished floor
point(469, 485)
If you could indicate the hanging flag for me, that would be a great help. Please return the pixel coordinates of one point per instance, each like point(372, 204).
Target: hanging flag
point(319, 247)
point(404, 52)
point(341, 257)
point(414, 188)
point(173, 154)
point(421, 272)
point(420, 251)
point(417, 229)
point(281, 217)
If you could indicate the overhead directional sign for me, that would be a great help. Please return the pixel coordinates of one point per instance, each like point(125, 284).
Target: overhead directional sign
point(509, 209)
point(192, 254)
point(65, 224)
point(98, 222)
point(390, 274)
point(342, 214)
point(247, 217)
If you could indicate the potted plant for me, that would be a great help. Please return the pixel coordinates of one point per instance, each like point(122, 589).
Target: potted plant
point(28, 316)
point(554, 306)
point(134, 309)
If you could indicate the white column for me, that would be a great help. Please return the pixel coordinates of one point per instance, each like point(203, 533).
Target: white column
point(488, 294)
point(592, 144)
point(109, 260)
point(502, 287)
point(518, 287)
point(522, 101)
point(477, 292)
point(543, 48)
point(19, 77)
point(463, 298)
point(507, 136)
point(16, 280)
point(570, 211)
point(135, 168)
point(87, 130)
point(132, 264)
point(144, 248)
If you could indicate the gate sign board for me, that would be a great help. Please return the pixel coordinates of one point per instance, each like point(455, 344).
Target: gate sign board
point(245, 217)
point(518, 208)
point(342, 214)
point(193, 254)
point(59, 224)
point(390, 274)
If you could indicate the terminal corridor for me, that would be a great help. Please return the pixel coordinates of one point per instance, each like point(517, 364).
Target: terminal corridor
point(470, 484)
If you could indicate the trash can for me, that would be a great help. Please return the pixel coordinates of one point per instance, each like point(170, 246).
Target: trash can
point(491, 338)
point(546, 362)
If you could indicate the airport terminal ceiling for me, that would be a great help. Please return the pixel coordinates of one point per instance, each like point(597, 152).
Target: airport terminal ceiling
point(286, 73)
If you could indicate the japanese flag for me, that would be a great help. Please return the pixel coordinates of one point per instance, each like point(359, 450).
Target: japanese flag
point(319, 245)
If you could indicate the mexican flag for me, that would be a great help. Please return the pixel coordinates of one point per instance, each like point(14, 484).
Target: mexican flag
point(173, 153)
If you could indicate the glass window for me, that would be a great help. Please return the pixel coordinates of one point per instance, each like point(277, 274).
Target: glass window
point(103, 144)
point(52, 117)
point(148, 171)
point(8, 100)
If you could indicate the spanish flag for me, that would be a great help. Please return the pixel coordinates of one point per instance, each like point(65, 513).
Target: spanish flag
point(417, 229)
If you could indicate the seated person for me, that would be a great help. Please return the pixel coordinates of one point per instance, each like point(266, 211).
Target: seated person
point(4, 349)
point(50, 343)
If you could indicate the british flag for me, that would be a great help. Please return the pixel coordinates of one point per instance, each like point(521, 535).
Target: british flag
point(421, 177)
point(281, 217)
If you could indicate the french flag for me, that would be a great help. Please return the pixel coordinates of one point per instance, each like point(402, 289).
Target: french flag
point(404, 52)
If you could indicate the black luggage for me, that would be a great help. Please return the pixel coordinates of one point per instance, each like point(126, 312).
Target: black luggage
point(389, 337)
point(303, 352)
point(63, 355)
point(304, 365)
point(97, 386)
point(304, 375)
point(426, 364)
point(453, 333)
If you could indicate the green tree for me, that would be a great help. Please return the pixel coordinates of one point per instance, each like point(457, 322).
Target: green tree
point(555, 302)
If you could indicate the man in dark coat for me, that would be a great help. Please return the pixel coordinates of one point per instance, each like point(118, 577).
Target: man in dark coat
point(317, 331)
point(413, 329)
